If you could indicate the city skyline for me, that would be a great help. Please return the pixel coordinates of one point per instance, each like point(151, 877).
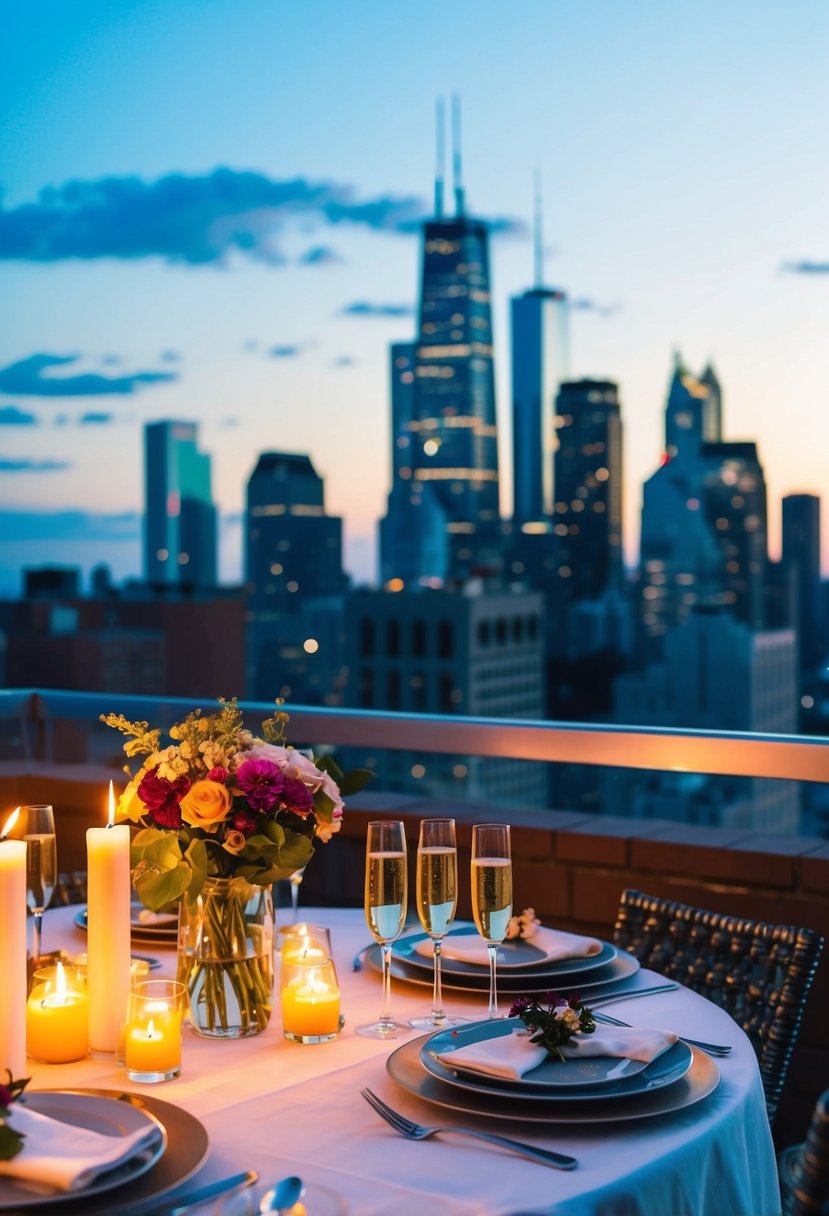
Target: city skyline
point(673, 229)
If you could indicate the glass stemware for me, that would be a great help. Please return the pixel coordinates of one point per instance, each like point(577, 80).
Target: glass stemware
point(437, 902)
point(491, 893)
point(36, 825)
point(386, 901)
point(296, 881)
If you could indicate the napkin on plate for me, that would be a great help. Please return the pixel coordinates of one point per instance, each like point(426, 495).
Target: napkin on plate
point(512, 1056)
point(555, 946)
point(62, 1157)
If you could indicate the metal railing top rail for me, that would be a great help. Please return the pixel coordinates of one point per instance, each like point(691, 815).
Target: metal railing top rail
point(727, 753)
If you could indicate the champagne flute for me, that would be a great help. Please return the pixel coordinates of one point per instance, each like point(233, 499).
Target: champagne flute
point(491, 893)
point(36, 825)
point(295, 880)
point(437, 902)
point(386, 898)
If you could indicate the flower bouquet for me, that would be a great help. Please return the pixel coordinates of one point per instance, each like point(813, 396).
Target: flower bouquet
point(224, 814)
point(555, 1021)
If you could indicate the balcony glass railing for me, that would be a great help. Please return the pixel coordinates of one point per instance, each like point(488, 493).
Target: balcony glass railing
point(768, 783)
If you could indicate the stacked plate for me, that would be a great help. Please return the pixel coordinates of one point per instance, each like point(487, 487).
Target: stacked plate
point(601, 1089)
point(522, 969)
point(145, 926)
point(168, 1158)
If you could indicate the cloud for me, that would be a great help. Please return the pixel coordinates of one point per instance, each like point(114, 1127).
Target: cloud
point(344, 361)
point(27, 378)
point(12, 415)
point(68, 525)
point(93, 419)
point(170, 356)
point(362, 308)
point(321, 255)
point(285, 352)
point(33, 466)
point(804, 267)
point(197, 219)
point(601, 310)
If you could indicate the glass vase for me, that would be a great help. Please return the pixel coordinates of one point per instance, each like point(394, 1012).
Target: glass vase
point(225, 958)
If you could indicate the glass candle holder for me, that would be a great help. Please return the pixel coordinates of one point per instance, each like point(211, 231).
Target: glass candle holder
point(310, 1001)
point(57, 1015)
point(152, 1037)
point(305, 940)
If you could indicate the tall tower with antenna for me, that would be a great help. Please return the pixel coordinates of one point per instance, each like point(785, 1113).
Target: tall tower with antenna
point(540, 363)
point(454, 444)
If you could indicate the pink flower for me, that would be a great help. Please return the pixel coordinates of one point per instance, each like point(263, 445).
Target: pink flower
point(262, 782)
point(296, 797)
point(218, 774)
point(246, 821)
point(162, 798)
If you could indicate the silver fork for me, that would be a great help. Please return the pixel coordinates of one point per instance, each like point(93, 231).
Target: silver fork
point(711, 1049)
point(414, 1131)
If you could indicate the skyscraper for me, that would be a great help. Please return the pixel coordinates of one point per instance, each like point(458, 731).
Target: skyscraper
point(180, 517)
point(295, 582)
point(453, 456)
point(801, 571)
point(539, 364)
point(693, 413)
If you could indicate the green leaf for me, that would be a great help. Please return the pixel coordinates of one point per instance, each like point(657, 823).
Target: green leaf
point(327, 764)
point(296, 852)
point(324, 806)
point(159, 887)
point(274, 831)
point(155, 848)
point(11, 1142)
point(355, 780)
point(196, 858)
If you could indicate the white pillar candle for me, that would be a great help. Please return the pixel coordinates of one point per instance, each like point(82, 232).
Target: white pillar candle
point(108, 931)
point(13, 958)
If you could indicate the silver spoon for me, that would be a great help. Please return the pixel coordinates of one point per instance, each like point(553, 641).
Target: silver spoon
point(283, 1195)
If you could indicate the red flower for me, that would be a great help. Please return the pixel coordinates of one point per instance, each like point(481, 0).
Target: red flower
point(296, 796)
point(218, 774)
point(162, 797)
point(246, 821)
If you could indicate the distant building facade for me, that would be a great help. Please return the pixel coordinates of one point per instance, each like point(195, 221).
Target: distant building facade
point(800, 568)
point(179, 514)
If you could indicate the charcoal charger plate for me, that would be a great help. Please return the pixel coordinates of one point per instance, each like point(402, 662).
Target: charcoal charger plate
point(515, 983)
point(160, 933)
point(187, 1150)
point(579, 1080)
point(519, 957)
point(405, 1068)
point(98, 1113)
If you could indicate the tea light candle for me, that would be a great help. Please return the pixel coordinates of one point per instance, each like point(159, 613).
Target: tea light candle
point(13, 955)
point(57, 1016)
point(310, 1002)
point(108, 930)
point(153, 1045)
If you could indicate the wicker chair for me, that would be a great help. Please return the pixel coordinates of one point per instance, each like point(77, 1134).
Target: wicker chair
point(761, 974)
point(804, 1168)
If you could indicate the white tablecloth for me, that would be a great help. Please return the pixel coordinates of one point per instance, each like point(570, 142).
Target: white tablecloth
point(284, 1108)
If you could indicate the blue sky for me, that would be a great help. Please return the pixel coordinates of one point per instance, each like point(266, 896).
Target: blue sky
point(196, 195)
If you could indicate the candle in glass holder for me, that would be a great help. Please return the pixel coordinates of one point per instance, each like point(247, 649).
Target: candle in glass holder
point(57, 1016)
point(152, 1041)
point(305, 941)
point(13, 954)
point(108, 930)
point(310, 1001)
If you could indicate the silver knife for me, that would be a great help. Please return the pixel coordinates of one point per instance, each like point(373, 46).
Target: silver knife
point(194, 1198)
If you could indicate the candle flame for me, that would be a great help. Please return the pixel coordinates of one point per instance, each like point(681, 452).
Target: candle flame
point(150, 1029)
point(10, 822)
point(111, 820)
point(60, 985)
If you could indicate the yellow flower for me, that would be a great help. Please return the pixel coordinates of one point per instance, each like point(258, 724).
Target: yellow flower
point(205, 805)
point(130, 805)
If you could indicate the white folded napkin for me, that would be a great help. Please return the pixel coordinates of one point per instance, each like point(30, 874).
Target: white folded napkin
point(512, 1056)
point(63, 1157)
point(555, 946)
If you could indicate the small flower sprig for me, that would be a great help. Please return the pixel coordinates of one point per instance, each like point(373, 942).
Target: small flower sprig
point(524, 925)
point(556, 1021)
point(11, 1141)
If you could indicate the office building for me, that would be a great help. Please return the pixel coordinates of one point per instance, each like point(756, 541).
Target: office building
point(180, 517)
point(800, 563)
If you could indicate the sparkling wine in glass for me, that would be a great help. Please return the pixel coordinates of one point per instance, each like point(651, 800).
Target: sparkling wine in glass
point(437, 902)
point(36, 825)
point(386, 901)
point(491, 893)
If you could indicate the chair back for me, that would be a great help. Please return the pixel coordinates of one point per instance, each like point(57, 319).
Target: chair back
point(760, 973)
point(807, 1189)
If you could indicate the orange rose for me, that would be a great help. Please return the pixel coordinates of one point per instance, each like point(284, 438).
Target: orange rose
point(205, 805)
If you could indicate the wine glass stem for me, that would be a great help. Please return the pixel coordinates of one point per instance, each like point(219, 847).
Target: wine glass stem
point(492, 948)
point(385, 1015)
point(294, 898)
point(37, 924)
point(438, 1014)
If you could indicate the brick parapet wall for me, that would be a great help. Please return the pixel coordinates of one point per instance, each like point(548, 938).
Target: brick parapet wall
point(569, 866)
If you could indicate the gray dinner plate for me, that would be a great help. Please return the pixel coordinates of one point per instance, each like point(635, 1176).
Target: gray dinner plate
point(561, 1081)
point(163, 931)
point(96, 1113)
point(513, 956)
point(516, 983)
point(405, 1068)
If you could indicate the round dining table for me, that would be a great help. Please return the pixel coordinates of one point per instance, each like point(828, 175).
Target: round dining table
point(283, 1108)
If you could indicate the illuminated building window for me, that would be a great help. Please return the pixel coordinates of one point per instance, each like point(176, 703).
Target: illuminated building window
point(577, 505)
point(722, 523)
point(162, 555)
point(310, 645)
point(418, 771)
point(292, 586)
point(564, 571)
point(276, 568)
point(602, 474)
point(599, 507)
point(183, 559)
point(561, 529)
